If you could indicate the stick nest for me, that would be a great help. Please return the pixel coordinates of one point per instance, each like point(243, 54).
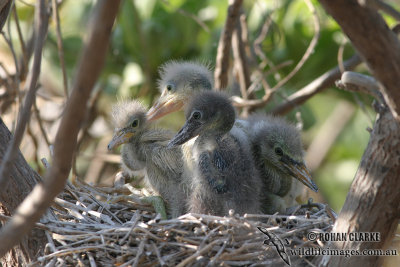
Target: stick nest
point(111, 226)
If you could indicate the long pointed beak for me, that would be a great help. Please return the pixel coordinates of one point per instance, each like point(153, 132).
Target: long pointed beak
point(164, 107)
point(188, 131)
point(120, 137)
point(301, 173)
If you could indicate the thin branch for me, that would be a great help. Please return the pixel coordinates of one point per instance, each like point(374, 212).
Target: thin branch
point(88, 71)
point(40, 122)
point(258, 103)
point(41, 24)
point(309, 51)
point(324, 81)
point(240, 60)
point(260, 38)
point(224, 45)
point(384, 50)
point(192, 16)
point(56, 19)
point(20, 37)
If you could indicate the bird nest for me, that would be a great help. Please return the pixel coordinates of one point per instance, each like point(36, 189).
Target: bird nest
point(112, 226)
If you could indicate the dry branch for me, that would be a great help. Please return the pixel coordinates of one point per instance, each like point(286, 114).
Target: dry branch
point(89, 67)
point(60, 46)
point(324, 81)
point(135, 235)
point(243, 102)
point(372, 205)
point(309, 50)
point(22, 180)
point(224, 45)
point(382, 55)
point(41, 25)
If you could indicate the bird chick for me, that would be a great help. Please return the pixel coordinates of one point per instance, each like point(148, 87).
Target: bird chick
point(224, 175)
point(179, 80)
point(143, 147)
point(278, 155)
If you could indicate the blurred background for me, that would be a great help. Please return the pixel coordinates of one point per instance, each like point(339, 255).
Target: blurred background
point(149, 33)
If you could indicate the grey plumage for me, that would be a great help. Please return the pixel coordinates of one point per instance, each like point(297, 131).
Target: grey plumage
point(224, 176)
point(278, 155)
point(179, 80)
point(144, 147)
point(281, 190)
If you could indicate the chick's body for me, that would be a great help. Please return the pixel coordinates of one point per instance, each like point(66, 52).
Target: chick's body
point(224, 176)
point(146, 148)
point(278, 155)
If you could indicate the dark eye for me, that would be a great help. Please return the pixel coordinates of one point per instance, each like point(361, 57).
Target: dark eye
point(196, 115)
point(279, 151)
point(169, 87)
point(135, 123)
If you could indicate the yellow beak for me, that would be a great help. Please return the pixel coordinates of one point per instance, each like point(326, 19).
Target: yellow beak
point(301, 173)
point(120, 137)
point(164, 107)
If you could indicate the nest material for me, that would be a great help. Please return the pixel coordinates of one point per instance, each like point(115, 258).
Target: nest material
point(95, 226)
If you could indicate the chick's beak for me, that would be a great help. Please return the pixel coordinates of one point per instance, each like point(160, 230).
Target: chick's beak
point(120, 137)
point(301, 173)
point(188, 131)
point(163, 107)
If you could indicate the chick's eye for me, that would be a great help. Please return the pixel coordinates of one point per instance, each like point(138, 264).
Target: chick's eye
point(135, 123)
point(196, 115)
point(169, 87)
point(279, 151)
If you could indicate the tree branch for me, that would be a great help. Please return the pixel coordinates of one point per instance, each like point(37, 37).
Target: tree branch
point(224, 45)
point(41, 25)
point(89, 67)
point(372, 204)
point(382, 55)
point(324, 81)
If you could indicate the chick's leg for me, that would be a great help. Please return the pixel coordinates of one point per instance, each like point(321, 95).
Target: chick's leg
point(158, 204)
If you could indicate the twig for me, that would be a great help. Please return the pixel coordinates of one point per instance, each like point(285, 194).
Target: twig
point(215, 258)
point(35, 143)
point(258, 41)
point(40, 122)
point(192, 16)
point(56, 19)
point(20, 37)
point(224, 45)
point(160, 260)
point(89, 67)
point(240, 102)
point(23, 118)
point(324, 81)
point(309, 50)
point(188, 260)
point(240, 60)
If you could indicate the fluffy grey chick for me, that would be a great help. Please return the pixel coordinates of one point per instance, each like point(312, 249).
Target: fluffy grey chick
point(179, 81)
point(224, 174)
point(143, 147)
point(278, 155)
